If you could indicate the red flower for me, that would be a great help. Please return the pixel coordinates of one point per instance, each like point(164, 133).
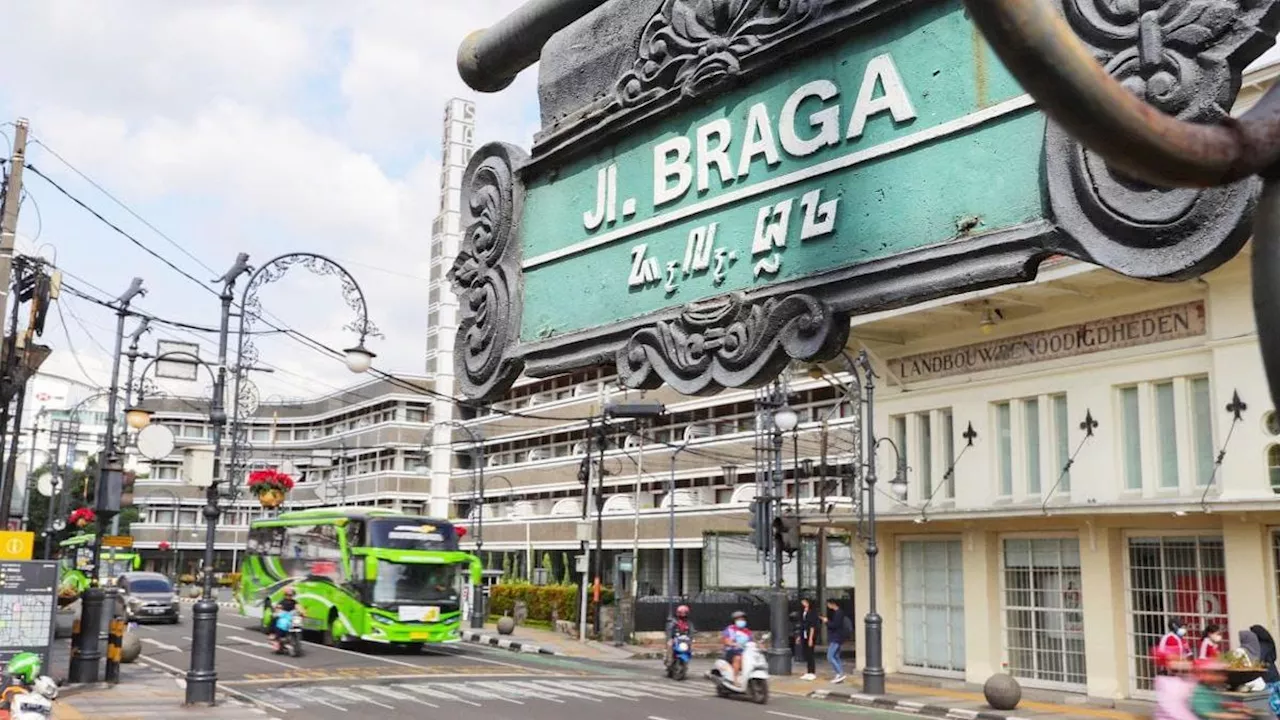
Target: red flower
point(81, 516)
point(269, 479)
point(164, 545)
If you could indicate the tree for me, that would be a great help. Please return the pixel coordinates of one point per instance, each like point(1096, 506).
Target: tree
point(567, 565)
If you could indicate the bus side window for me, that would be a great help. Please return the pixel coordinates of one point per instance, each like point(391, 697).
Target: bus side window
point(355, 537)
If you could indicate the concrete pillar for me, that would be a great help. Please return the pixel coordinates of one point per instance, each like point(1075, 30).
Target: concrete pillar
point(983, 639)
point(1250, 584)
point(1102, 569)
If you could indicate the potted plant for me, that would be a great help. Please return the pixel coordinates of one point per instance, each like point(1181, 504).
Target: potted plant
point(270, 486)
point(81, 517)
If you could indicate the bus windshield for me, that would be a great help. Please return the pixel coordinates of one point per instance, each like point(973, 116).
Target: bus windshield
point(407, 583)
point(408, 535)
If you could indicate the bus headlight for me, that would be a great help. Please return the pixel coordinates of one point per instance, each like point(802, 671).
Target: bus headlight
point(381, 619)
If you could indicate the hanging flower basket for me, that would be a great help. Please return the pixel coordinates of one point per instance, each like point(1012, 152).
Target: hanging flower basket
point(164, 545)
point(270, 486)
point(80, 517)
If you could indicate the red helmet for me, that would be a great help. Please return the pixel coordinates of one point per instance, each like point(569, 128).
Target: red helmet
point(682, 611)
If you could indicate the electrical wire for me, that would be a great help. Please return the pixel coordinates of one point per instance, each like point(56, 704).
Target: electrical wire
point(39, 216)
point(71, 347)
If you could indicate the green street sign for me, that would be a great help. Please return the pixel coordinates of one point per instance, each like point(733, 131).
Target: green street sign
point(897, 139)
point(718, 186)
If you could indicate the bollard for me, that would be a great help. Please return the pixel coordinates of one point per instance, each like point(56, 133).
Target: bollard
point(75, 637)
point(115, 637)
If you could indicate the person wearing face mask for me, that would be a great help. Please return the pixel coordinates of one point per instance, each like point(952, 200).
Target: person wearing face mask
point(735, 639)
point(1174, 643)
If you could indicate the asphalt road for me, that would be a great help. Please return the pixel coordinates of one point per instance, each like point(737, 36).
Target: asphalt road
point(329, 683)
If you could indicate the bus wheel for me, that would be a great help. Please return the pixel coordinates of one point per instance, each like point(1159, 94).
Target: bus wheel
point(332, 637)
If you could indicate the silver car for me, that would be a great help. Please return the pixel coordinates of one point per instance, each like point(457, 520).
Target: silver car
point(148, 597)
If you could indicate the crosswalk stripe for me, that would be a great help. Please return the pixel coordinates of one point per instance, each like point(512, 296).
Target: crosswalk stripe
point(610, 694)
point(480, 692)
point(355, 697)
point(557, 691)
point(395, 695)
point(307, 697)
point(632, 693)
point(519, 691)
point(437, 694)
point(667, 689)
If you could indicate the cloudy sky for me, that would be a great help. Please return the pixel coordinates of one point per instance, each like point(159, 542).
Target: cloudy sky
point(236, 126)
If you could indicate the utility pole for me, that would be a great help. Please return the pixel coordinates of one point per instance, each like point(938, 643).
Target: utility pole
point(9, 211)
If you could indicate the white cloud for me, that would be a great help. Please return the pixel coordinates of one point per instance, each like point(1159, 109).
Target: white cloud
point(265, 127)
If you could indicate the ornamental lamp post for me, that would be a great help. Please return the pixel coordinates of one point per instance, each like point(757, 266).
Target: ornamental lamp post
point(202, 676)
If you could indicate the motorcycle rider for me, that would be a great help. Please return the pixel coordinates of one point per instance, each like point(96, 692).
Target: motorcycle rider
point(289, 604)
point(676, 626)
point(735, 639)
point(21, 673)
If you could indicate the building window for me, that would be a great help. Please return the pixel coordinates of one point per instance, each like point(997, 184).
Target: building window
point(1062, 439)
point(900, 439)
point(933, 605)
point(1166, 435)
point(1004, 436)
point(1044, 623)
point(1031, 409)
point(1171, 578)
point(1131, 438)
point(1270, 421)
point(926, 453)
point(949, 453)
point(1202, 427)
point(1273, 468)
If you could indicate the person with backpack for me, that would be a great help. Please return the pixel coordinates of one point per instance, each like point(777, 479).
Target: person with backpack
point(839, 631)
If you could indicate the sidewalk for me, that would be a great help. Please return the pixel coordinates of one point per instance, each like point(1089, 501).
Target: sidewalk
point(953, 699)
point(547, 642)
point(143, 693)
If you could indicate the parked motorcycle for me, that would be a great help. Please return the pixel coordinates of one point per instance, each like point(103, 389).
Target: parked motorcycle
point(36, 703)
point(755, 676)
point(681, 654)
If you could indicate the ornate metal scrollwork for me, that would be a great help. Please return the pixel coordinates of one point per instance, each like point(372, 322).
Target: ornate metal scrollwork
point(1184, 57)
point(486, 273)
point(731, 342)
point(696, 45)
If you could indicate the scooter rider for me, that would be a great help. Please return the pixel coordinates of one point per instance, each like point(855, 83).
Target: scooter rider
point(288, 604)
point(735, 639)
point(676, 626)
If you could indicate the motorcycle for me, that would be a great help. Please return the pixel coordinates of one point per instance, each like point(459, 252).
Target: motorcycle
point(289, 627)
point(755, 674)
point(36, 703)
point(681, 653)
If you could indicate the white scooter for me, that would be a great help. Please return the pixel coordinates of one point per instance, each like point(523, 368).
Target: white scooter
point(36, 703)
point(755, 676)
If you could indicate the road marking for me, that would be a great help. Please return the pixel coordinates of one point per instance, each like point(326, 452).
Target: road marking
point(552, 688)
point(449, 651)
point(258, 656)
point(305, 697)
point(482, 693)
point(788, 715)
point(354, 697)
point(632, 693)
point(247, 641)
point(162, 646)
point(666, 689)
point(394, 695)
point(532, 691)
point(586, 690)
point(436, 694)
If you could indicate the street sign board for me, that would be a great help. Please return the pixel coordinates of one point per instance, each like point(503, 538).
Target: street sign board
point(28, 601)
point(117, 541)
point(16, 545)
point(714, 195)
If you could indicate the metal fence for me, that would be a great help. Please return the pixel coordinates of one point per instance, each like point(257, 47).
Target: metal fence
point(713, 610)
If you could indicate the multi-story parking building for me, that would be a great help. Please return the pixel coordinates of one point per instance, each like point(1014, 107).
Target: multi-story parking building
point(360, 446)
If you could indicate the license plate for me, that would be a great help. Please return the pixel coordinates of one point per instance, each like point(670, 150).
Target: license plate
point(418, 636)
point(154, 611)
point(418, 613)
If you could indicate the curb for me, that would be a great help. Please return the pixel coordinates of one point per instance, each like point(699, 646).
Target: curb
point(911, 708)
point(479, 638)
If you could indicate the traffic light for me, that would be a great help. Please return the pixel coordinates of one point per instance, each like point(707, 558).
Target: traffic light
point(787, 532)
point(584, 471)
point(761, 528)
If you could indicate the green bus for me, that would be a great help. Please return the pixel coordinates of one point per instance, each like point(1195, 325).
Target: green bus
point(75, 558)
point(361, 574)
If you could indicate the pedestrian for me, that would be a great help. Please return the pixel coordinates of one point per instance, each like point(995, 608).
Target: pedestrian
point(809, 621)
point(1207, 700)
point(1211, 643)
point(839, 631)
point(1174, 642)
point(1173, 687)
point(1267, 658)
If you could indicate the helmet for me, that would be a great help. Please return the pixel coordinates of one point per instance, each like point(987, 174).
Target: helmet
point(682, 611)
point(24, 666)
point(289, 591)
point(47, 687)
point(739, 615)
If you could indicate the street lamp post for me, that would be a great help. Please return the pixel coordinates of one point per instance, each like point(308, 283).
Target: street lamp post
point(87, 653)
point(202, 677)
point(477, 460)
point(785, 420)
